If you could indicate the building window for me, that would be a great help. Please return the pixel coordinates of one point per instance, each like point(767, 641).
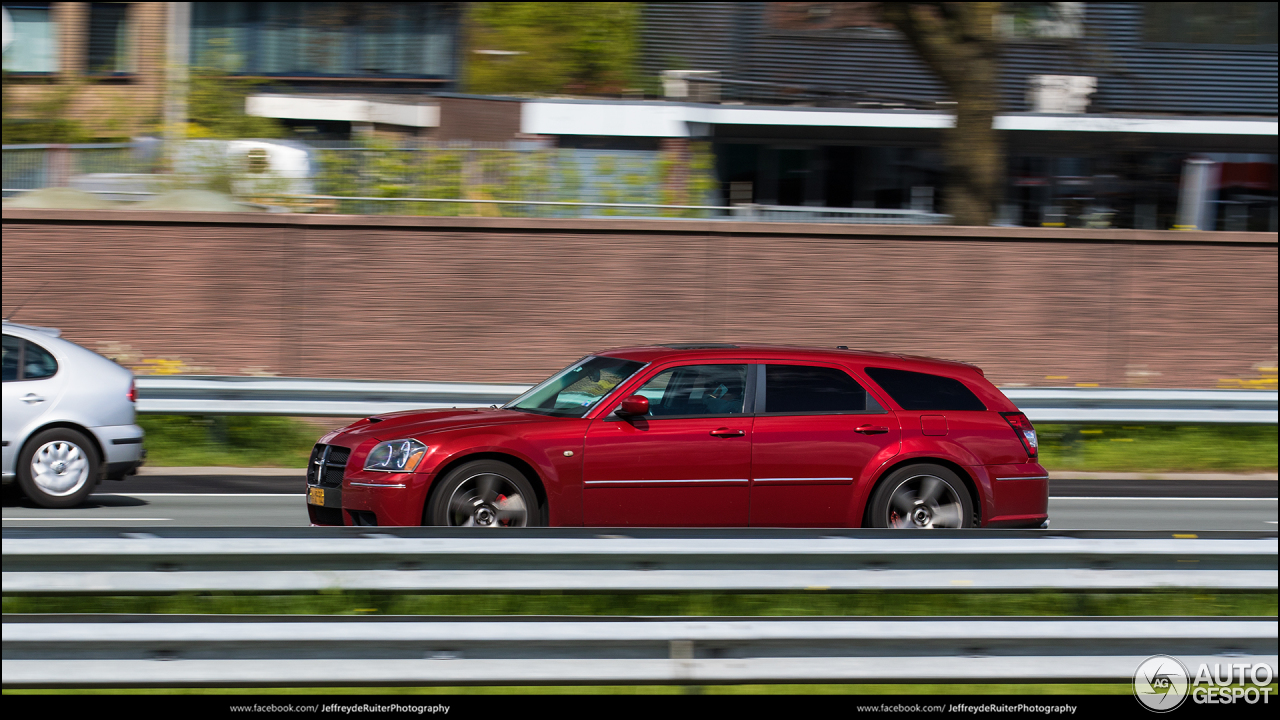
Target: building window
point(1040, 21)
point(326, 39)
point(107, 52)
point(33, 47)
point(1230, 24)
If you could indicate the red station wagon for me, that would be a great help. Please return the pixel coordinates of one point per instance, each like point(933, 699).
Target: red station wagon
point(699, 435)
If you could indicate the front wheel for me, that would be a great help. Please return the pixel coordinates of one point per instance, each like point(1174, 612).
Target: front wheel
point(58, 468)
point(484, 493)
point(921, 497)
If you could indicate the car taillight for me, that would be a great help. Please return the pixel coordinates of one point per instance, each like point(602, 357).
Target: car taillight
point(133, 391)
point(1023, 429)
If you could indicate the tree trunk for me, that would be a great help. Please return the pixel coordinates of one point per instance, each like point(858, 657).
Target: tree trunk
point(957, 41)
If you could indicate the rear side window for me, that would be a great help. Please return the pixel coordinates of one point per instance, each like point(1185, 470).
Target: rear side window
point(37, 363)
point(809, 389)
point(922, 391)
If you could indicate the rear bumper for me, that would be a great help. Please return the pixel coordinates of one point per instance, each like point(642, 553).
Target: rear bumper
point(121, 445)
point(1019, 495)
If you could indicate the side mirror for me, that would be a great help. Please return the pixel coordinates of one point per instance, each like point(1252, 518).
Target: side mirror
point(634, 405)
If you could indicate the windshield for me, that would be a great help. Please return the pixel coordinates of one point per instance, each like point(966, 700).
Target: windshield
point(576, 389)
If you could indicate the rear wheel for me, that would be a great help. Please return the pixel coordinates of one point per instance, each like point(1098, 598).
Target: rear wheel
point(484, 493)
point(921, 497)
point(58, 468)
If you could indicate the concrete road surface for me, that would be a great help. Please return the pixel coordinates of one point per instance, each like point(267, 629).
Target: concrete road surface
point(256, 498)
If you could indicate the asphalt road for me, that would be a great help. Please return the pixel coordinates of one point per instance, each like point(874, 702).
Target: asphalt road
point(277, 500)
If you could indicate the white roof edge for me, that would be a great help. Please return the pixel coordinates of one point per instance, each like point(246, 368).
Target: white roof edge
point(303, 107)
point(658, 119)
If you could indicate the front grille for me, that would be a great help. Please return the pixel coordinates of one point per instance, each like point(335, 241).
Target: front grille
point(327, 465)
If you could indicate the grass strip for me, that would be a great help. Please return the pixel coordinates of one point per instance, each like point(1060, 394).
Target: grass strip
point(1158, 448)
point(251, 441)
point(817, 603)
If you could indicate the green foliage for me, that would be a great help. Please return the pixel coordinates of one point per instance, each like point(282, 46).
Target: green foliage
point(1158, 448)
point(564, 47)
point(232, 441)
point(215, 108)
point(806, 604)
point(215, 98)
point(23, 132)
point(43, 120)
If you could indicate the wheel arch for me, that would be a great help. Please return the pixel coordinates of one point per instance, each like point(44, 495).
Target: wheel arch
point(65, 425)
point(970, 483)
point(530, 473)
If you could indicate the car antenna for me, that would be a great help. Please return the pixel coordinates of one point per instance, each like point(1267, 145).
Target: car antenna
point(24, 302)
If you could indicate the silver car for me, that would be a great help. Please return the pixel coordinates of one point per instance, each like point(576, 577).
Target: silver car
point(68, 417)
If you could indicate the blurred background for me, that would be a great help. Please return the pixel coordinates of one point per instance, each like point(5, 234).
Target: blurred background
point(829, 148)
point(1069, 195)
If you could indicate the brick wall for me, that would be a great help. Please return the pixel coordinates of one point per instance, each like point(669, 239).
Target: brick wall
point(478, 299)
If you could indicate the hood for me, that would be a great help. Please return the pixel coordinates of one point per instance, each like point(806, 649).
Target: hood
point(410, 423)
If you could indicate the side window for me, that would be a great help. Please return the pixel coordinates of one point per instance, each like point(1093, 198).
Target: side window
point(922, 391)
point(12, 357)
point(37, 363)
point(811, 389)
point(697, 390)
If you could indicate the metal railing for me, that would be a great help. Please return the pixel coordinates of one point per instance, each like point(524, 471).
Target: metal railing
point(627, 560)
point(301, 397)
point(31, 167)
point(455, 207)
point(157, 651)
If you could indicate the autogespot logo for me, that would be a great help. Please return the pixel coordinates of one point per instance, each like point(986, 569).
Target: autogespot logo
point(1161, 683)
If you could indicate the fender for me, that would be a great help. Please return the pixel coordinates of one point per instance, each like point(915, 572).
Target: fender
point(948, 452)
point(560, 477)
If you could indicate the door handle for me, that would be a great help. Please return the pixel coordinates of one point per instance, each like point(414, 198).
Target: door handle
point(32, 399)
point(872, 430)
point(726, 432)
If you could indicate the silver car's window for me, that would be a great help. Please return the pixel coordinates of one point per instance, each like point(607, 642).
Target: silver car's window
point(12, 357)
point(574, 390)
point(37, 363)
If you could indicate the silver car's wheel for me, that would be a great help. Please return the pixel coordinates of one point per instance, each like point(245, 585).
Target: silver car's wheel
point(921, 497)
point(58, 468)
point(484, 494)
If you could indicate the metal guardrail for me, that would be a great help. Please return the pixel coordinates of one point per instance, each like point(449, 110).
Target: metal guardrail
point(303, 397)
point(448, 561)
point(214, 395)
point(1123, 405)
point(98, 651)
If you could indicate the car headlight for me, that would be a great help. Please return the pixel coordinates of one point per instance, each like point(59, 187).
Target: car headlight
point(395, 456)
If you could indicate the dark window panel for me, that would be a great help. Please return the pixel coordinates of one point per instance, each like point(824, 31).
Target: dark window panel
point(811, 389)
point(922, 391)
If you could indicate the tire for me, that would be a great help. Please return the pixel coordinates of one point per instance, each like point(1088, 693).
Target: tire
point(484, 493)
point(921, 497)
point(58, 468)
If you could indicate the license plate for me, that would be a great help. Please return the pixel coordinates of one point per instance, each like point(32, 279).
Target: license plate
point(315, 496)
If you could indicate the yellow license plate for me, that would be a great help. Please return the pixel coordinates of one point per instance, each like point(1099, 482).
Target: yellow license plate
point(315, 496)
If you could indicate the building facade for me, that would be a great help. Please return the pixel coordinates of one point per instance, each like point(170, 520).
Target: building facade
point(1102, 104)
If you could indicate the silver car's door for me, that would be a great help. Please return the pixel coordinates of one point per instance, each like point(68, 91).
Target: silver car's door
point(32, 385)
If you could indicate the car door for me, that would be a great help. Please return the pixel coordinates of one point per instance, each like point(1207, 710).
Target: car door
point(816, 430)
point(31, 387)
point(685, 464)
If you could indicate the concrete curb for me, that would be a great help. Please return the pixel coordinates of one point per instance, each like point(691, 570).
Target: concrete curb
point(259, 472)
